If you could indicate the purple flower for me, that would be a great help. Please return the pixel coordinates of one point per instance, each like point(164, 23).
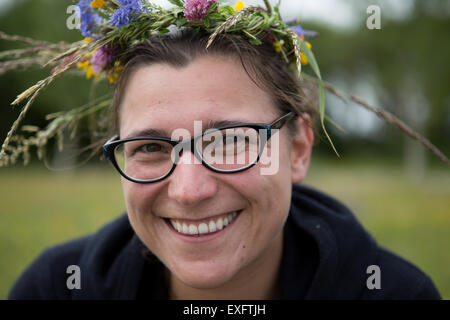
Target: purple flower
point(197, 9)
point(89, 19)
point(127, 12)
point(102, 57)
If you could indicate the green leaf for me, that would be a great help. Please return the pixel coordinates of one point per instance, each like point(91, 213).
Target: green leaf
point(206, 22)
point(226, 10)
point(313, 63)
point(163, 31)
point(321, 102)
point(311, 59)
point(177, 3)
point(255, 41)
point(215, 16)
point(181, 22)
point(251, 37)
point(276, 8)
point(212, 8)
point(177, 11)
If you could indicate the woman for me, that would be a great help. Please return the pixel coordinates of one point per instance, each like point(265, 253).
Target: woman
point(198, 227)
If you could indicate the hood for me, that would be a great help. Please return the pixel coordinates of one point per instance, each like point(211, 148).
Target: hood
point(112, 263)
point(344, 249)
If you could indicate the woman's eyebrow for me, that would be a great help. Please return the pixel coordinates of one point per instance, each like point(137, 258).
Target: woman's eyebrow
point(221, 123)
point(211, 124)
point(149, 133)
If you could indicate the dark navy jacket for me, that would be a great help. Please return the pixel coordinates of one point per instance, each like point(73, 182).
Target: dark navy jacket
point(326, 254)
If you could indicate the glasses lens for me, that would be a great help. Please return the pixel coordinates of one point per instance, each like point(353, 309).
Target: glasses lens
point(229, 149)
point(144, 159)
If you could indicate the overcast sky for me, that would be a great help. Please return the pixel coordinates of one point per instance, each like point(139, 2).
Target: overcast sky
point(338, 13)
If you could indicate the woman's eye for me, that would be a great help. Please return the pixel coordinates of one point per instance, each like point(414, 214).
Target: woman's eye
point(232, 139)
point(151, 148)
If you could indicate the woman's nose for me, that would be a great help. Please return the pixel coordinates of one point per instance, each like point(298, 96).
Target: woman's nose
point(191, 182)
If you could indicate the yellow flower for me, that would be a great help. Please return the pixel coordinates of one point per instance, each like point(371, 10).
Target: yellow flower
point(88, 69)
point(112, 78)
point(90, 72)
point(83, 65)
point(113, 74)
point(303, 59)
point(239, 6)
point(97, 4)
point(88, 40)
point(277, 45)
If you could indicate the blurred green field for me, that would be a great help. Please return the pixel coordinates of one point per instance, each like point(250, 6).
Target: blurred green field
point(40, 208)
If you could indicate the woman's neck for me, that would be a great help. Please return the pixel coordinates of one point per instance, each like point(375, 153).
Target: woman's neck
point(259, 280)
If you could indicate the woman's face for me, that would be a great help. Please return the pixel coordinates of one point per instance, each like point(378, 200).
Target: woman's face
point(210, 88)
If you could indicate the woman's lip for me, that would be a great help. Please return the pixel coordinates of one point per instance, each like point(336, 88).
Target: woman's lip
point(203, 237)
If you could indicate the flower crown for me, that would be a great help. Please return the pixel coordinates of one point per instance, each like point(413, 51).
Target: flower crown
point(122, 23)
point(110, 27)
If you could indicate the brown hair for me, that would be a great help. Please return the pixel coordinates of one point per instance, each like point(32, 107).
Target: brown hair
point(264, 66)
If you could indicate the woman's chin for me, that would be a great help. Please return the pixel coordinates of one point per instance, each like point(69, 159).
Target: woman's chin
point(203, 276)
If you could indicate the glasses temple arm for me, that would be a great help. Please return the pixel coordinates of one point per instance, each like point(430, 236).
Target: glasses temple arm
point(277, 124)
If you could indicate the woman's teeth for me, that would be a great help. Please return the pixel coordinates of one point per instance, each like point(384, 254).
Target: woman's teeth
point(210, 226)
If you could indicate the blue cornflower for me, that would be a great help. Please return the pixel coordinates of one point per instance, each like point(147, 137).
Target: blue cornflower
point(127, 12)
point(298, 29)
point(304, 33)
point(89, 19)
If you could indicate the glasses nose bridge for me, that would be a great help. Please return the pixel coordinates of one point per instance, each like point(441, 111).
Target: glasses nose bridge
point(189, 145)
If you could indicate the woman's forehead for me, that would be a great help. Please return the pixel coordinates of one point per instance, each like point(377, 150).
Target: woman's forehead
point(209, 89)
point(206, 77)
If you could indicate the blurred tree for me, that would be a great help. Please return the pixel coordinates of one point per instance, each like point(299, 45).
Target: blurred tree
point(409, 58)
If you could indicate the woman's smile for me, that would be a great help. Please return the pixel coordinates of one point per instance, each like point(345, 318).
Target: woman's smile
point(196, 231)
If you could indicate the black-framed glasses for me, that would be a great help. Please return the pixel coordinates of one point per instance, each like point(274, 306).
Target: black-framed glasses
point(227, 149)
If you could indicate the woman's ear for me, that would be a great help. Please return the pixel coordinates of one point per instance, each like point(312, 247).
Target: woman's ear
point(301, 147)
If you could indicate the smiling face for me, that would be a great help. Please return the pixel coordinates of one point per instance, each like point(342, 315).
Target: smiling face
point(210, 88)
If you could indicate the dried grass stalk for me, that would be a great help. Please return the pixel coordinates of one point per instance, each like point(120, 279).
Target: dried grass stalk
point(22, 114)
point(25, 40)
point(396, 122)
point(65, 54)
point(35, 90)
point(231, 21)
point(19, 64)
point(25, 94)
point(296, 44)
